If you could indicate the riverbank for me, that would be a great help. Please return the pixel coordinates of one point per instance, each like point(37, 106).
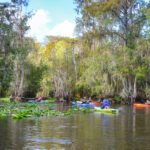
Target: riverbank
point(7, 99)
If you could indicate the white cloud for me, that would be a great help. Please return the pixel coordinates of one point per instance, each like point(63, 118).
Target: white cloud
point(39, 26)
point(65, 28)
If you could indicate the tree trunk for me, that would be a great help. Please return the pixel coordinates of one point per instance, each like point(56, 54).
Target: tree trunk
point(135, 89)
point(21, 79)
point(16, 78)
point(74, 62)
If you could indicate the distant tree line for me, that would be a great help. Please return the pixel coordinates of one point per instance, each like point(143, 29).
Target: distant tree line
point(110, 57)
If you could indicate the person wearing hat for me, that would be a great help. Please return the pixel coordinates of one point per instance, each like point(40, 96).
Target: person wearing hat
point(105, 104)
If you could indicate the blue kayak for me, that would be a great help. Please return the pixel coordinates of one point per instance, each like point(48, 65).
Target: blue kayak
point(33, 102)
point(82, 105)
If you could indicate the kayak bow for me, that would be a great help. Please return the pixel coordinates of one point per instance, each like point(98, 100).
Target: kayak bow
point(110, 110)
point(33, 102)
point(141, 105)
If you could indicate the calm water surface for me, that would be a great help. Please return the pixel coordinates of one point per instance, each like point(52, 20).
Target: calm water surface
point(128, 130)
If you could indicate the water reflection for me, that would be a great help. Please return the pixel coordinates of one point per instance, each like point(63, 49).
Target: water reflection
point(129, 130)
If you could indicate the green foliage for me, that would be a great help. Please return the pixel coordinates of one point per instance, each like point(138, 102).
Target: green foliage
point(110, 57)
point(87, 110)
point(117, 98)
point(25, 110)
point(5, 99)
point(14, 46)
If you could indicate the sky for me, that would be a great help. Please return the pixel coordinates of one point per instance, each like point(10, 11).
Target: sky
point(51, 17)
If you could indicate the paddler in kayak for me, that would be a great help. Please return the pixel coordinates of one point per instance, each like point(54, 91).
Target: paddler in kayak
point(90, 99)
point(84, 101)
point(105, 104)
point(39, 99)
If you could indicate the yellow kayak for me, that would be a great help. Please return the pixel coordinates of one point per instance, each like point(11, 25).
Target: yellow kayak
point(110, 110)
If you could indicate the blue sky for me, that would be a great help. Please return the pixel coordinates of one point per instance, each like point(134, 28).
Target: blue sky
point(51, 17)
point(59, 10)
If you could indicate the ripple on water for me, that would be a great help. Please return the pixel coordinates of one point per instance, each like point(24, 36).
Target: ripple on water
point(53, 140)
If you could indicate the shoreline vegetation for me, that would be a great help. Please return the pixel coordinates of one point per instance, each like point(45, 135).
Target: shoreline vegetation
point(109, 57)
point(115, 100)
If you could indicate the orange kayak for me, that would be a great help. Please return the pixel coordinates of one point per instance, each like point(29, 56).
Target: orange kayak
point(141, 105)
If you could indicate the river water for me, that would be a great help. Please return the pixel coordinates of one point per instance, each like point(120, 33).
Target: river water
point(128, 130)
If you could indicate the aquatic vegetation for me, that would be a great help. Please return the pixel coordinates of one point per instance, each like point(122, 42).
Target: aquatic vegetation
point(86, 110)
point(25, 110)
point(2, 115)
point(20, 116)
point(72, 110)
point(69, 112)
